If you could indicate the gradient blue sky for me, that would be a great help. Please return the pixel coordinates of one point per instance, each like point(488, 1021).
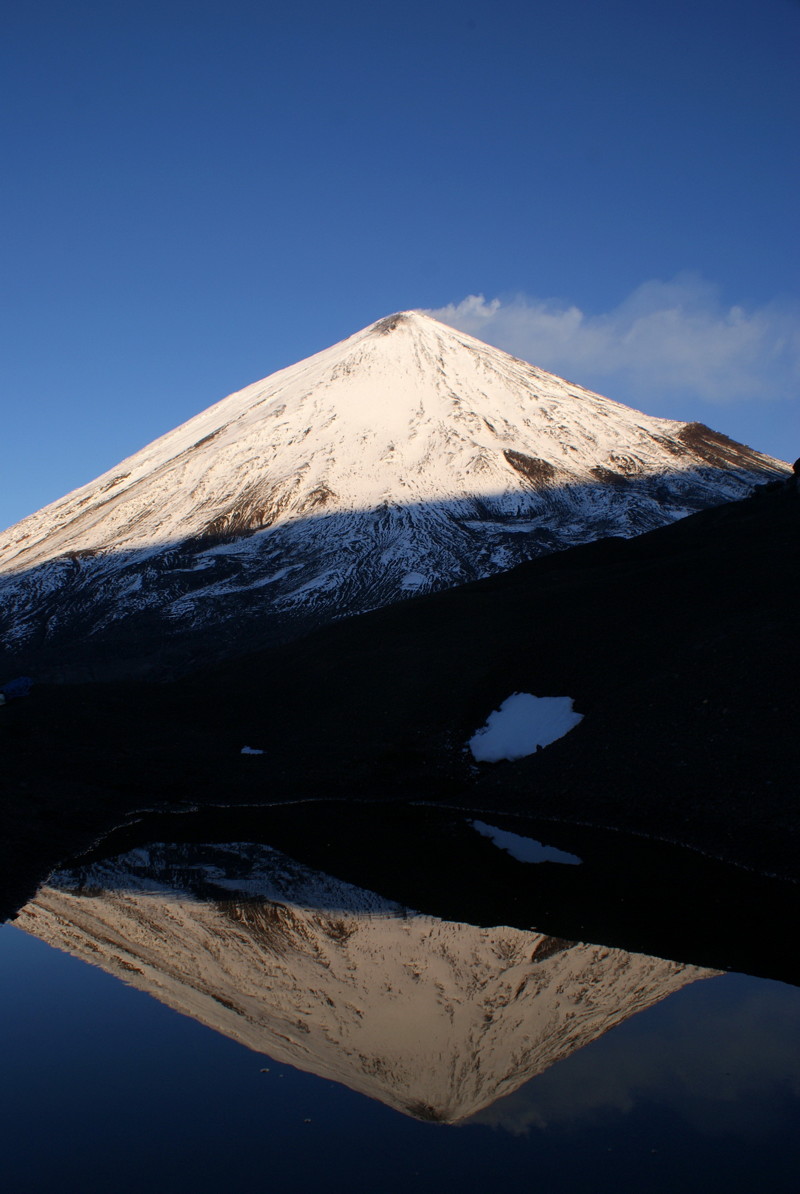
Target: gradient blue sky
point(199, 193)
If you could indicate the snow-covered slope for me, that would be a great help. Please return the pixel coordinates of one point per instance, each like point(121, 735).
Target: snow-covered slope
point(436, 1019)
point(409, 457)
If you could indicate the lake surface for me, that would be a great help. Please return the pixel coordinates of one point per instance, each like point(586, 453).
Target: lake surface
point(248, 1023)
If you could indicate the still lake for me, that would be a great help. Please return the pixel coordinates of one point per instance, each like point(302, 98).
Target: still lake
point(247, 1023)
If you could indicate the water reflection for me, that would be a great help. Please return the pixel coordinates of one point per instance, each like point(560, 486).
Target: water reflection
point(436, 1019)
point(723, 1060)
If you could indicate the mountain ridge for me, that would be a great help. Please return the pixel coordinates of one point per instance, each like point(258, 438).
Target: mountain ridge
point(408, 458)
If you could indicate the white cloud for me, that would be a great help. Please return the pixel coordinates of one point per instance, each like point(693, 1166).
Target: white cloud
point(718, 1061)
point(667, 339)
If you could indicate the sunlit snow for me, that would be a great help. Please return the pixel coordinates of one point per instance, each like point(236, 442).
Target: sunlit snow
point(406, 459)
point(521, 725)
point(413, 580)
point(524, 849)
point(424, 416)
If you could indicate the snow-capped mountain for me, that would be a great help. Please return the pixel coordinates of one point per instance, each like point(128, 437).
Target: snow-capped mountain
point(409, 457)
point(437, 1019)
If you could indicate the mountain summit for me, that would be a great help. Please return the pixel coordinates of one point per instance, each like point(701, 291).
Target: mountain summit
point(409, 457)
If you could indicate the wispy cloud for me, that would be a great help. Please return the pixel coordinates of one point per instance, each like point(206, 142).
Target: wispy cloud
point(720, 1063)
point(666, 340)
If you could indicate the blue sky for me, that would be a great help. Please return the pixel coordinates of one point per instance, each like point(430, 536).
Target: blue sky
point(199, 193)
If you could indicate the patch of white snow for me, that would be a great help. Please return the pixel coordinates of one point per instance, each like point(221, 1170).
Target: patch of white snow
point(521, 725)
point(413, 580)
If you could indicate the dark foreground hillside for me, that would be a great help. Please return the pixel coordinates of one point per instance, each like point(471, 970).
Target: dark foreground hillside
point(679, 648)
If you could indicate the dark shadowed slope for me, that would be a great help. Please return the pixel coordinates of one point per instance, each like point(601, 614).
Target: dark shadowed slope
point(679, 648)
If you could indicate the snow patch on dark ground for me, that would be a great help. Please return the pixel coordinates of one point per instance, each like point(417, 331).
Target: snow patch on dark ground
point(522, 725)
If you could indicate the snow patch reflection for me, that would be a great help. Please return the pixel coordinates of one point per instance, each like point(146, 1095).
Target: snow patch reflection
point(524, 849)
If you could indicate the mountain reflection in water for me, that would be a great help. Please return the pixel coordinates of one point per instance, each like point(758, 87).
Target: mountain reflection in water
point(436, 1019)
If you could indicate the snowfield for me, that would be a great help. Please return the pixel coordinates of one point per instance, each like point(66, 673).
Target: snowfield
point(407, 459)
point(522, 725)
